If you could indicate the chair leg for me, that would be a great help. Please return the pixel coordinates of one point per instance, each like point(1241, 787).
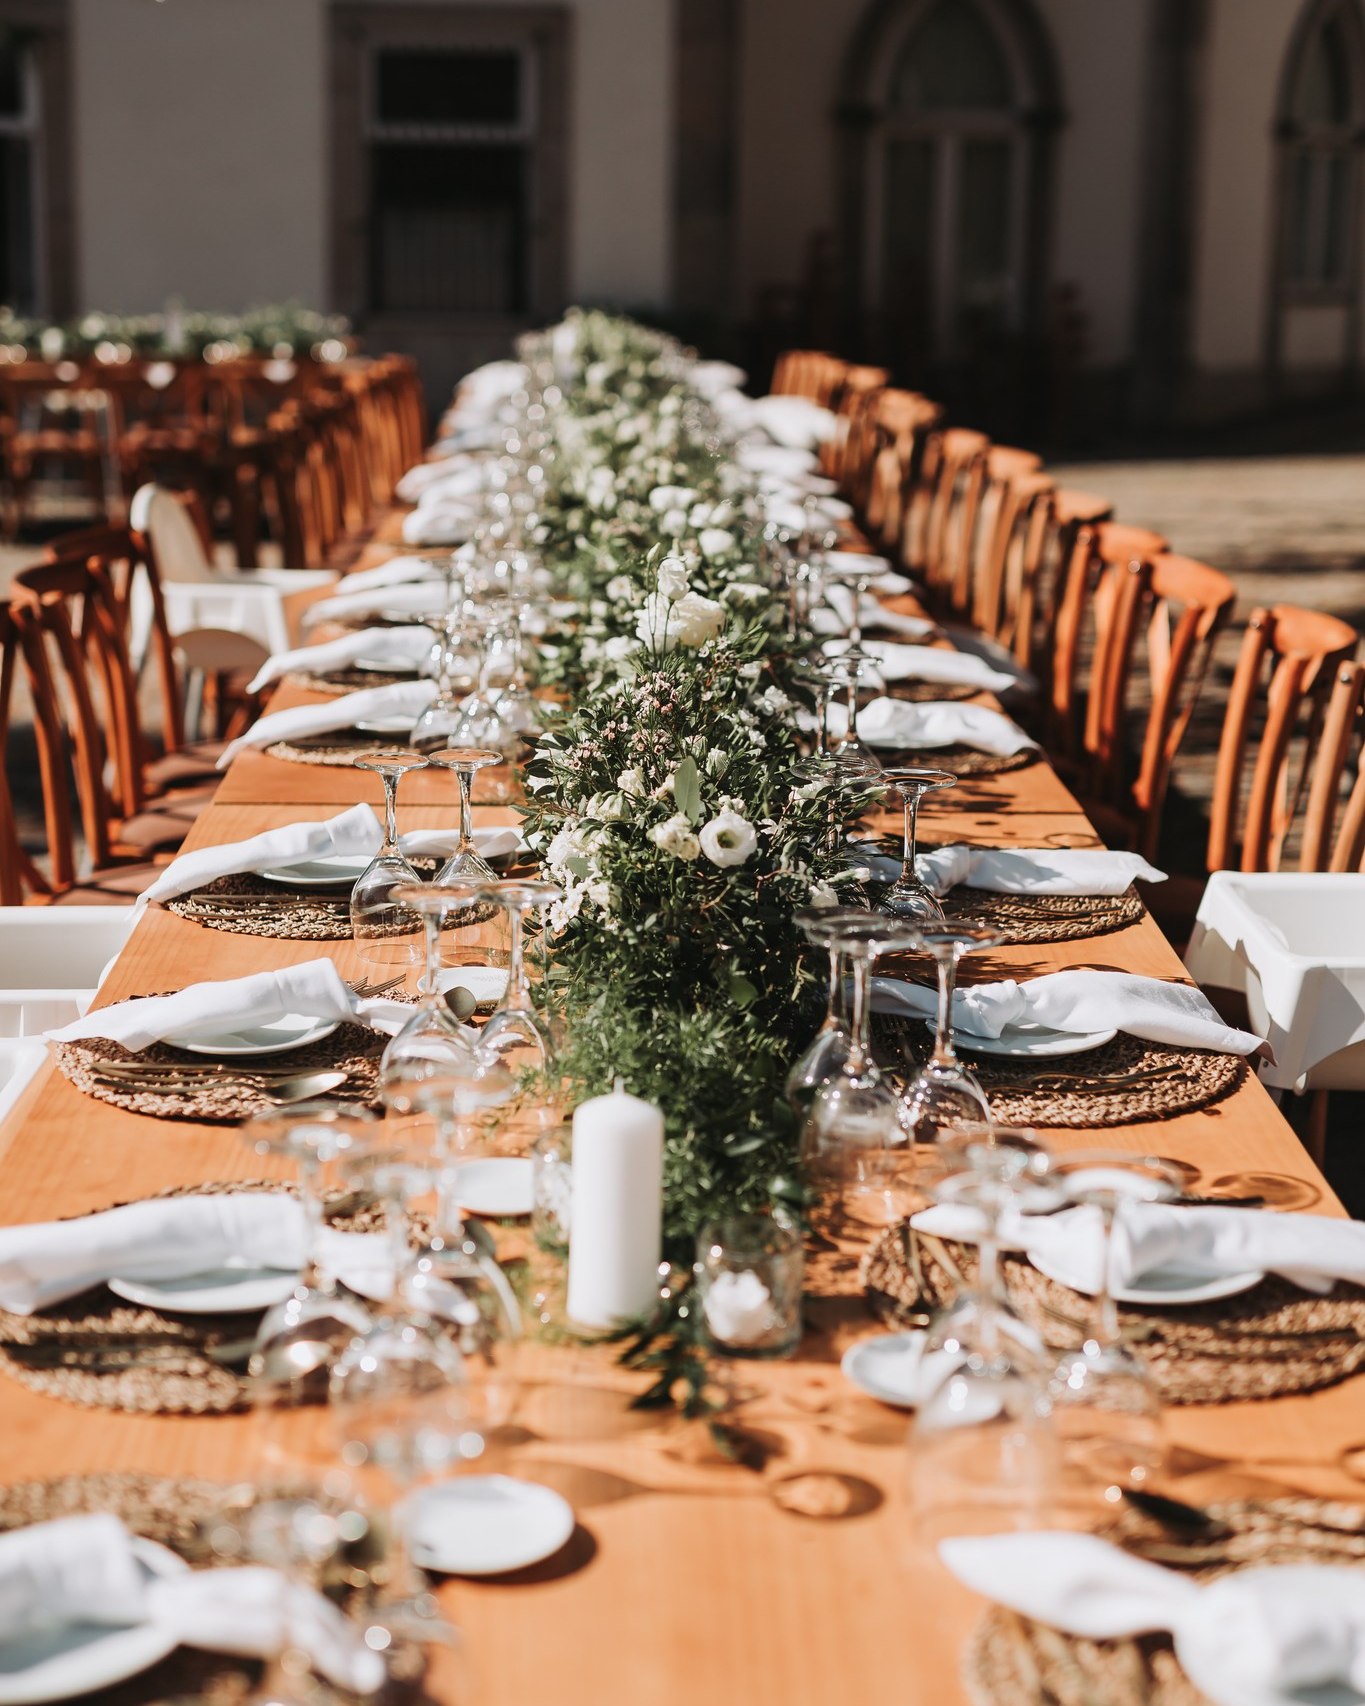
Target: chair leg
point(194, 703)
point(1315, 1130)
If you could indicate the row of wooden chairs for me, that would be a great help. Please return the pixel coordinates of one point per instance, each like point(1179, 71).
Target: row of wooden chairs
point(1115, 634)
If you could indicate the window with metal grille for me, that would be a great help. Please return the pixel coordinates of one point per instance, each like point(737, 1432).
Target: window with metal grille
point(450, 137)
point(1321, 128)
point(20, 286)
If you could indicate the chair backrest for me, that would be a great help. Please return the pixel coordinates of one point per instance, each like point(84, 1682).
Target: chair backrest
point(941, 517)
point(168, 521)
point(19, 876)
point(895, 431)
point(1005, 583)
point(1168, 611)
point(1285, 679)
point(806, 373)
point(1083, 621)
point(979, 568)
point(1342, 735)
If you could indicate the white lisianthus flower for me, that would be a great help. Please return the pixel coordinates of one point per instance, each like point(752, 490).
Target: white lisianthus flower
point(823, 894)
point(619, 647)
point(672, 497)
point(717, 761)
point(715, 541)
point(747, 592)
point(675, 836)
point(672, 581)
point(688, 621)
point(620, 588)
point(631, 783)
point(728, 839)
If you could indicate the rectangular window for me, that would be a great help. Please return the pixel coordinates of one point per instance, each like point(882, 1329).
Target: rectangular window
point(19, 133)
point(1318, 216)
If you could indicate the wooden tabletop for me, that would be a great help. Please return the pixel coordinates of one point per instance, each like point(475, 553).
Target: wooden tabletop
point(688, 1578)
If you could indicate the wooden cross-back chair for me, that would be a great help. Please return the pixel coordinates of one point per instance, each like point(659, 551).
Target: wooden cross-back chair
point(896, 429)
point(1348, 843)
point(941, 517)
point(1005, 581)
point(852, 399)
point(809, 373)
point(1082, 626)
point(1167, 611)
point(975, 568)
point(1288, 670)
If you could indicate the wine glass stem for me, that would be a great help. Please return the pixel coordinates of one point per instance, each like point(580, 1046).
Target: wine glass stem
point(431, 924)
point(909, 849)
point(466, 811)
point(853, 708)
point(518, 997)
point(404, 1583)
point(855, 624)
point(1105, 1306)
point(860, 1047)
point(989, 1286)
point(944, 1052)
point(390, 781)
point(314, 1275)
point(822, 722)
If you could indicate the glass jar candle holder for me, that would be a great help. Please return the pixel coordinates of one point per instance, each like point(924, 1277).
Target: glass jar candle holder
point(749, 1272)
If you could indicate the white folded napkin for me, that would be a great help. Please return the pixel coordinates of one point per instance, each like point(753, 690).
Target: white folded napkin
point(456, 476)
point(897, 723)
point(1034, 870)
point(775, 459)
point(797, 515)
point(1255, 1637)
point(936, 664)
point(84, 1569)
point(403, 648)
point(837, 619)
point(491, 383)
point(204, 1009)
point(408, 598)
point(169, 1238)
point(398, 571)
point(440, 521)
point(795, 422)
point(1312, 1251)
point(396, 699)
point(709, 378)
point(1080, 1001)
point(355, 831)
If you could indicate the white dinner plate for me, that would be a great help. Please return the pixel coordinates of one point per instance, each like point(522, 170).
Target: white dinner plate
point(487, 984)
point(333, 870)
point(386, 725)
point(385, 666)
point(484, 1525)
point(497, 1185)
point(217, 1291)
point(1162, 1287)
point(77, 1658)
point(292, 1031)
point(1033, 1042)
point(887, 1367)
point(855, 565)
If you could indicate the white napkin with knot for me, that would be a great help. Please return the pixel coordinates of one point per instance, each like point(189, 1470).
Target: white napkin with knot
point(403, 648)
point(84, 1569)
point(795, 422)
point(708, 378)
point(1255, 1637)
point(1079, 1001)
point(937, 664)
point(205, 1009)
point(1033, 870)
point(797, 515)
point(398, 571)
point(455, 476)
point(408, 598)
point(778, 461)
point(898, 724)
point(169, 1238)
point(397, 699)
point(356, 831)
point(440, 520)
point(1312, 1251)
point(872, 613)
point(484, 389)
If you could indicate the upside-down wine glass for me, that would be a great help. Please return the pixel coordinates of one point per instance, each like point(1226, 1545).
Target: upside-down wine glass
point(515, 1033)
point(1106, 1404)
point(853, 1143)
point(385, 931)
point(465, 863)
point(848, 670)
point(828, 1048)
point(433, 1033)
point(856, 577)
point(908, 897)
point(944, 1093)
point(298, 1339)
point(480, 723)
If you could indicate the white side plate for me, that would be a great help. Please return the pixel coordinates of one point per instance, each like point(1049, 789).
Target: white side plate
point(58, 1664)
point(484, 1525)
point(498, 1186)
point(334, 870)
point(217, 1291)
point(1033, 1042)
point(294, 1030)
point(1163, 1287)
point(386, 725)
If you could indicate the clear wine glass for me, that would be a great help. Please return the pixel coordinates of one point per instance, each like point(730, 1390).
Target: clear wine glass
point(465, 862)
point(298, 1339)
point(908, 897)
point(434, 1032)
point(298, 1537)
point(828, 1049)
point(944, 1093)
point(457, 671)
point(853, 1144)
point(847, 671)
point(386, 931)
point(515, 1032)
point(1106, 1403)
point(856, 577)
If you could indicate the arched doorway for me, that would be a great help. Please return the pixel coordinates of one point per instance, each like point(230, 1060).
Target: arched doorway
point(948, 105)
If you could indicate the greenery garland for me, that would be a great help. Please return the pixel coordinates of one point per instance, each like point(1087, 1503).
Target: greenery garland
point(669, 799)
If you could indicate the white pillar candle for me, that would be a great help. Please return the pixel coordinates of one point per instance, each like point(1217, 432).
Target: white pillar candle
point(616, 1220)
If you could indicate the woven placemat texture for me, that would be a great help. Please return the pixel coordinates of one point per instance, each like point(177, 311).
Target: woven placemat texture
point(1268, 1342)
point(1010, 1660)
point(963, 760)
point(343, 746)
point(192, 1517)
point(1124, 1082)
point(1025, 918)
point(339, 681)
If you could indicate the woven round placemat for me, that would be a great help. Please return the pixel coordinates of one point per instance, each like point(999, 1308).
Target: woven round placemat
point(926, 692)
point(342, 746)
point(1010, 1660)
point(964, 760)
point(189, 1515)
point(1124, 1082)
point(1045, 918)
point(353, 1049)
point(1268, 1342)
point(338, 681)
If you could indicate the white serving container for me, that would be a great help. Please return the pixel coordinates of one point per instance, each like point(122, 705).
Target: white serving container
point(52, 960)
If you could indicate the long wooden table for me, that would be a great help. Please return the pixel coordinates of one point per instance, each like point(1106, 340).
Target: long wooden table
point(688, 1577)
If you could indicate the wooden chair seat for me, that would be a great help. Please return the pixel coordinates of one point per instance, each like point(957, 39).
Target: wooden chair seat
point(119, 886)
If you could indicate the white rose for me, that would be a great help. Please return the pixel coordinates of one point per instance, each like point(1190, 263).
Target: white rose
point(715, 541)
point(673, 521)
point(728, 839)
point(688, 621)
point(672, 578)
point(671, 497)
point(675, 836)
point(823, 894)
point(631, 783)
point(619, 647)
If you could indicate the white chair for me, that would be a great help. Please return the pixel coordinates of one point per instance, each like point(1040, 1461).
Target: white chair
point(200, 596)
point(19, 1062)
point(52, 960)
